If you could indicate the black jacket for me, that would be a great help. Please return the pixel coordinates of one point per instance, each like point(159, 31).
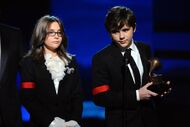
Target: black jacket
point(41, 99)
point(11, 53)
point(120, 99)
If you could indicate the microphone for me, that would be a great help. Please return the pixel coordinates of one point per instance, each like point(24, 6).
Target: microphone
point(127, 56)
point(126, 61)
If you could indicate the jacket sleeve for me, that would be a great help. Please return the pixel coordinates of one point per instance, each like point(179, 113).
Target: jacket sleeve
point(28, 97)
point(77, 94)
point(102, 91)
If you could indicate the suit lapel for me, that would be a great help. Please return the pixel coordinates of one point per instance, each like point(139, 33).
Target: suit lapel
point(4, 53)
point(144, 63)
point(116, 54)
point(117, 65)
point(45, 72)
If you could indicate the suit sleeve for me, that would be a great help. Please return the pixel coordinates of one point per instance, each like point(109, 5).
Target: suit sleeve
point(20, 43)
point(28, 98)
point(103, 94)
point(77, 95)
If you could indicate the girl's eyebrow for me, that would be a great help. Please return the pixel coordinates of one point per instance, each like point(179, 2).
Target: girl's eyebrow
point(54, 30)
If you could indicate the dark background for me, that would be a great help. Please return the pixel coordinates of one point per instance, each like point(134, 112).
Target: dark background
point(163, 24)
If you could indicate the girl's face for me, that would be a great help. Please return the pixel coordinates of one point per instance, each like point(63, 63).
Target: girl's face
point(53, 38)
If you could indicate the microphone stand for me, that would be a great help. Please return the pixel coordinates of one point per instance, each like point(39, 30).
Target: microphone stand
point(124, 67)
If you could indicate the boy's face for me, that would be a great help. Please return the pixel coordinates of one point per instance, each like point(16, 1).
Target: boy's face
point(123, 37)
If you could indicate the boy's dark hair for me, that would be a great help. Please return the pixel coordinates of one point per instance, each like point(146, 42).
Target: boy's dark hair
point(119, 16)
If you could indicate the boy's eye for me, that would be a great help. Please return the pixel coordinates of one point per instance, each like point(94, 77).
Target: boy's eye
point(125, 30)
point(114, 31)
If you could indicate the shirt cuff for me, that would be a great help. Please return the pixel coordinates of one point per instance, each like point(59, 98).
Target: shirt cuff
point(52, 124)
point(137, 95)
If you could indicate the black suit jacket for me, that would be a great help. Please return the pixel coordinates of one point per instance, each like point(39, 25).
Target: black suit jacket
point(41, 100)
point(120, 99)
point(11, 52)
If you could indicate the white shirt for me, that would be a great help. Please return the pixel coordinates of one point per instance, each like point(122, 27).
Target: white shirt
point(136, 56)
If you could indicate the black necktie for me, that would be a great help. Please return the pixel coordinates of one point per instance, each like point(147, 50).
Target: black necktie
point(129, 60)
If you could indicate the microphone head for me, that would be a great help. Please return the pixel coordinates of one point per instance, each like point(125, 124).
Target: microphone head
point(126, 61)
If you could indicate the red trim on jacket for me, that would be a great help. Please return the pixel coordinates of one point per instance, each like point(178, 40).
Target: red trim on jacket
point(100, 89)
point(28, 85)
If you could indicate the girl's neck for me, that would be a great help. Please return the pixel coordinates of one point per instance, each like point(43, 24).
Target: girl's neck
point(53, 53)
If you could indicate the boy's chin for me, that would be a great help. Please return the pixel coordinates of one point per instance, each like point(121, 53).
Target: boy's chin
point(124, 46)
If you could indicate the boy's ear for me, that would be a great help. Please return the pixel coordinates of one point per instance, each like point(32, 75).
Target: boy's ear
point(134, 30)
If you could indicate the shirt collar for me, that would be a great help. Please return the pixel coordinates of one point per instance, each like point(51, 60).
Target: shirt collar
point(132, 46)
